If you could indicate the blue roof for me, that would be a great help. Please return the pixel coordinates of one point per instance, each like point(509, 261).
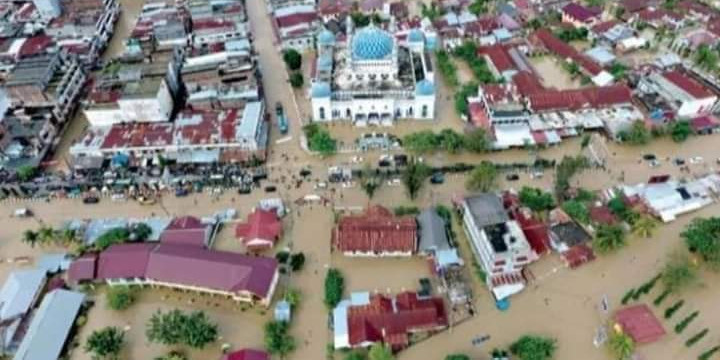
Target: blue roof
point(416, 35)
point(320, 90)
point(424, 87)
point(326, 37)
point(371, 43)
point(325, 62)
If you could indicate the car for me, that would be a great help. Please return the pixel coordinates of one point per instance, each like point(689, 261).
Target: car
point(649, 157)
point(91, 200)
point(512, 177)
point(696, 160)
point(270, 189)
point(22, 213)
point(146, 200)
point(181, 192)
point(321, 186)
point(536, 175)
point(654, 163)
point(384, 163)
point(437, 178)
point(118, 197)
point(305, 172)
point(243, 190)
point(679, 161)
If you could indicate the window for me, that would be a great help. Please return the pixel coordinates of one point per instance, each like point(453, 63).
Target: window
point(424, 111)
point(348, 113)
point(322, 113)
point(499, 262)
point(521, 258)
point(410, 111)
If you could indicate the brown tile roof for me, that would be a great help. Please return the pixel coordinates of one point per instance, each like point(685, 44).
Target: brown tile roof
point(640, 323)
point(592, 97)
point(688, 84)
point(377, 230)
point(261, 224)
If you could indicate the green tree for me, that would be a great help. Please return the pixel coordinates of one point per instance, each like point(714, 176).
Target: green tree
point(478, 7)
point(577, 210)
point(678, 273)
point(702, 236)
point(292, 59)
point(532, 347)
point(293, 297)
point(457, 357)
point(432, 12)
point(26, 173)
point(141, 232)
point(421, 142)
point(638, 134)
point(355, 355)
point(414, 176)
point(173, 355)
point(278, 341)
point(30, 237)
point(447, 67)
point(609, 238)
point(297, 261)
point(120, 297)
point(334, 287)
point(477, 141)
point(111, 237)
point(296, 80)
point(621, 345)
point(644, 226)
point(482, 178)
point(68, 237)
point(450, 141)
point(706, 58)
point(359, 19)
point(536, 199)
point(175, 327)
point(680, 131)
point(319, 139)
point(46, 235)
point(380, 351)
point(105, 343)
point(461, 104)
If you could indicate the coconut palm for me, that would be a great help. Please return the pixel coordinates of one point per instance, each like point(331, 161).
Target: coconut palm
point(644, 226)
point(621, 345)
point(68, 236)
point(609, 238)
point(30, 237)
point(46, 235)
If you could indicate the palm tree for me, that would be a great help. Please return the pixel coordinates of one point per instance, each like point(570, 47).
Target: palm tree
point(68, 236)
point(30, 237)
point(609, 238)
point(621, 345)
point(46, 234)
point(644, 226)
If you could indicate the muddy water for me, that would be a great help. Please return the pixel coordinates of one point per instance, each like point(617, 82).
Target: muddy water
point(124, 26)
point(552, 73)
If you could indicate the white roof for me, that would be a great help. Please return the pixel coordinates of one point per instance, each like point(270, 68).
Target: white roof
point(604, 78)
point(19, 291)
point(513, 135)
point(16, 45)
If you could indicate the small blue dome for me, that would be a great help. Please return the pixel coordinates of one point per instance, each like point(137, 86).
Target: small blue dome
point(424, 88)
point(320, 90)
point(326, 37)
point(416, 35)
point(371, 43)
point(325, 62)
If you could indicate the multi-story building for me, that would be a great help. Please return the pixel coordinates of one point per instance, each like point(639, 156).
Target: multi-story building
point(685, 95)
point(85, 27)
point(48, 9)
point(295, 26)
point(498, 243)
point(371, 79)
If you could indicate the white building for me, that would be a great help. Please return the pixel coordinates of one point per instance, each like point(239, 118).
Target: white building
point(145, 100)
point(685, 95)
point(667, 199)
point(371, 79)
point(498, 243)
point(48, 9)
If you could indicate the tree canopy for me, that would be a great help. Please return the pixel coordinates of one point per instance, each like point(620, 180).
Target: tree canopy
point(293, 59)
point(421, 142)
point(414, 176)
point(120, 297)
point(577, 210)
point(702, 236)
point(380, 351)
point(680, 131)
point(536, 199)
point(457, 357)
point(278, 340)
point(319, 139)
point(334, 287)
point(105, 343)
point(176, 327)
point(296, 80)
point(532, 347)
point(638, 134)
point(482, 178)
point(621, 345)
point(678, 273)
point(609, 238)
point(113, 236)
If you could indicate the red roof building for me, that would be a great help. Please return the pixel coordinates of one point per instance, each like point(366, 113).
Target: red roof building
point(240, 277)
point(574, 99)
point(334, 7)
point(640, 324)
point(393, 321)
point(603, 215)
point(687, 84)
point(565, 51)
point(82, 269)
point(246, 354)
point(704, 124)
point(187, 230)
point(579, 14)
point(261, 231)
point(578, 255)
point(498, 56)
point(35, 45)
point(377, 232)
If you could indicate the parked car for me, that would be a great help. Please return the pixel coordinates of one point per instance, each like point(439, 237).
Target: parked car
point(181, 192)
point(22, 213)
point(146, 200)
point(437, 178)
point(243, 190)
point(270, 189)
point(679, 161)
point(654, 163)
point(649, 157)
point(91, 200)
point(512, 177)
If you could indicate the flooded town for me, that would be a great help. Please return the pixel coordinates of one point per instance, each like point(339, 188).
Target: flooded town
point(359, 180)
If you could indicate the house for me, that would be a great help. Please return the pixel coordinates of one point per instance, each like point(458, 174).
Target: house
point(51, 325)
point(580, 15)
point(566, 235)
point(18, 296)
point(545, 39)
point(685, 95)
point(433, 232)
point(705, 124)
point(187, 230)
point(366, 319)
point(499, 244)
point(376, 232)
point(639, 322)
point(261, 231)
point(667, 198)
point(247, 354)
point(192, 268)
point(295, 26)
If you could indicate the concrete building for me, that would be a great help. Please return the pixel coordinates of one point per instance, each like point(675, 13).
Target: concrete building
point(295, 26)
point(686, 96)
point(498, 243)
point(48, 9)
point(371, 79)
point(18, 295)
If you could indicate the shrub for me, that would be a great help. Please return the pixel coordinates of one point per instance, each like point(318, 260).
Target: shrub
point(669, 312)
point(628, 295)
point(406, 210)
point(658, 300)
point(697, 337)
point(282, 256)
point(297, 261)
point(120, 297)
point(296, 80)
point(685, 322)
point(709, 353)
point(334, 287)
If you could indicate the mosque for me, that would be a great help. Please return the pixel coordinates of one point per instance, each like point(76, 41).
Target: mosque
point(372, 78)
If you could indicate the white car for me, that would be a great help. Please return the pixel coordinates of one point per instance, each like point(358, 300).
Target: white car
point(696, 160)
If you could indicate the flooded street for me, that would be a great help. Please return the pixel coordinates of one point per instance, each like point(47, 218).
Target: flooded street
point(130, 9)
point(550, 70)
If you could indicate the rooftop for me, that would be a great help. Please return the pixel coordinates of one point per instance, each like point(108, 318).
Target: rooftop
point(639, 322)
point(377, 230)
point(486, 209)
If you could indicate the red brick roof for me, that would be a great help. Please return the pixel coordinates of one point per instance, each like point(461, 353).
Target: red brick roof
point(640, 323)
point(580, 98)
point(604, 26)
point(498, 55)
point(377, 230)
point(579, 12)
point(689, 85)
point(333, 7)
point(578, 255)
point(527, 83)
point(295, 19)
point(83, 268)
point(247, 354)
point(189, 265)
point(634, 5)
point(381, 321)
point(35, 45)
point(704, 123)
point(261, 224)
point(186, 230)
point(603, 215)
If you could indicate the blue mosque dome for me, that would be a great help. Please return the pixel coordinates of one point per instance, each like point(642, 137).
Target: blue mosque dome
point(416, 35)
point(326, 37)
point(320, 89)
point(371, 43)
point(424, 88)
